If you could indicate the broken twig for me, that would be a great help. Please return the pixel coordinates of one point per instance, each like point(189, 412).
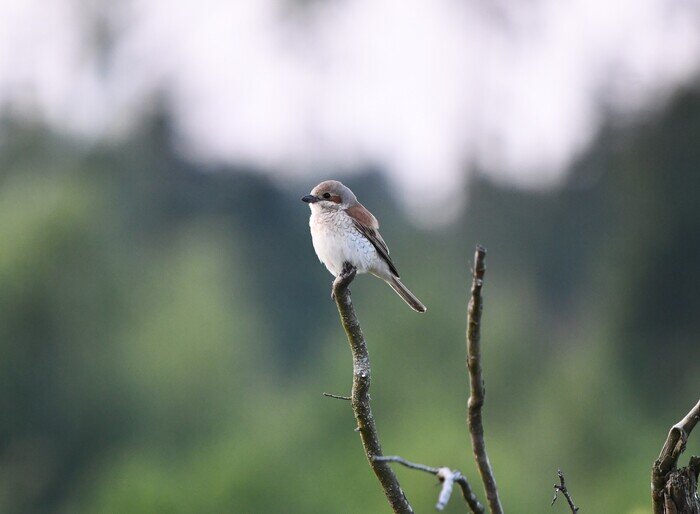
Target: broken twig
point(674, 490)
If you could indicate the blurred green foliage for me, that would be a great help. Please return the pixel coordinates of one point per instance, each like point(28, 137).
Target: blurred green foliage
point(166, 330)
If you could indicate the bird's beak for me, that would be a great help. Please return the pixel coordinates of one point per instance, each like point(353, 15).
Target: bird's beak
point(309, 199)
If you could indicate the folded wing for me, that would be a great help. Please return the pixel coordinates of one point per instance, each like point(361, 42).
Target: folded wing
point(368, 226)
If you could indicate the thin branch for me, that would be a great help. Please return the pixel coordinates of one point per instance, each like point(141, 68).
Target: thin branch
point(561, 488)
point(477, 391)
point(469, 496)
point(360, 392)
point(668, 458)
point(408, 463)
point(337, 396)
point(448, 477)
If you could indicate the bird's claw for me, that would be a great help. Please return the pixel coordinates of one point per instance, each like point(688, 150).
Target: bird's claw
point(348, 270)
point(344, 278)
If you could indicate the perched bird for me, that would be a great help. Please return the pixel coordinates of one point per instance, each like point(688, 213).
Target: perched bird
point(344, 231)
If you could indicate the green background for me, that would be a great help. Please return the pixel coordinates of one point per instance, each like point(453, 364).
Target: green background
point(167, 331)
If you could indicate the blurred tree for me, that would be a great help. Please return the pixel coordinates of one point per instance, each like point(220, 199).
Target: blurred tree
point(166, 330)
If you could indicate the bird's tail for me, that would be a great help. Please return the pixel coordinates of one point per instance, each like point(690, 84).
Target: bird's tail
point(407, 295)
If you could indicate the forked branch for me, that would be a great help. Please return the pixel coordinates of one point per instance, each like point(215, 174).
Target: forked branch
point(561, 488)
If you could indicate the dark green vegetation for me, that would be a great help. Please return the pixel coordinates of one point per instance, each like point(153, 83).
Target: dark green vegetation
point(166, 331)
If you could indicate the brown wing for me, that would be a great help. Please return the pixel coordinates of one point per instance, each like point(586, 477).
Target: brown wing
point(367, 224)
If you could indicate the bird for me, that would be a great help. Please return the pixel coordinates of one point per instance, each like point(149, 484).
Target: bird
point(344, 232)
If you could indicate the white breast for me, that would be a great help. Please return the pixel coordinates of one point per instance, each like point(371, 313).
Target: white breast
point(336, 241)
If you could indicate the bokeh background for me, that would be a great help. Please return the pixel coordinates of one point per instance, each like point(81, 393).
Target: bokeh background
point(166, 330)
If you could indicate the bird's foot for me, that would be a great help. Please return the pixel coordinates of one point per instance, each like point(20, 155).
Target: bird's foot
point(348, 272)
point(343, 280)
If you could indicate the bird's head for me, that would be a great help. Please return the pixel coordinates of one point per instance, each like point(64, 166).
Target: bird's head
point(330, 194)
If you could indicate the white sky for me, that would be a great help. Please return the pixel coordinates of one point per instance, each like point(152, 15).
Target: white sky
point(421, 88)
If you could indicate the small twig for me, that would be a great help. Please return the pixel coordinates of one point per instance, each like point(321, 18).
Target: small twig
point(477, 390)
point(337, 396)
point(360, 393)
point(407, 463)
point(448, 477)
point(561, 488)
point(668, 458)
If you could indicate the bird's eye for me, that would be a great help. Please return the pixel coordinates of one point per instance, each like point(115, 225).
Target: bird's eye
point(326, 195)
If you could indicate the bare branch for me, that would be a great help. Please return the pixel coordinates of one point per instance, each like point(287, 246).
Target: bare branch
point(360, 392)
point(561, 488)
point(668, 461)
point(337, 396)
point(477, 391)
point(448, 477)
point(408, 463)
point(469, 496)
